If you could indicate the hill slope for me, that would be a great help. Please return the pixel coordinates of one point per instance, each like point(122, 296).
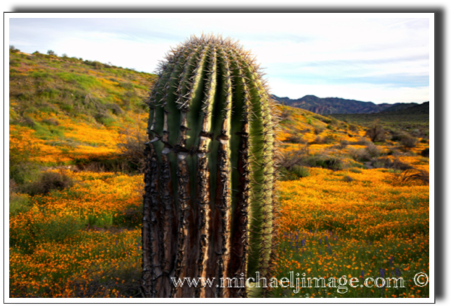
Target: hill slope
point(69, 110)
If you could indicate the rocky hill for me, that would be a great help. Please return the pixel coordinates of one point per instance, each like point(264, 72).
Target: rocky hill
point(335, 105)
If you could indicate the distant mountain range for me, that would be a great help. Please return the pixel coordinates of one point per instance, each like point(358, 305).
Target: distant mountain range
point(349, 106)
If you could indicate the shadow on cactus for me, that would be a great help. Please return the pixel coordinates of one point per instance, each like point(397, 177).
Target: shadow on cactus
point(209, 199)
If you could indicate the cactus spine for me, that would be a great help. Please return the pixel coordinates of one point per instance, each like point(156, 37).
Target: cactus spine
point(209, 197)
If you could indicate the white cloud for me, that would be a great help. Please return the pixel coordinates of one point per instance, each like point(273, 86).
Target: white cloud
point(364, 92)
point(291, 48)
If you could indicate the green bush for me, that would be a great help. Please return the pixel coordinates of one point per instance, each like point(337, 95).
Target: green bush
point(300, 171)
point(14, 49)
point(50, 121)
point(105, 119)
point(102, 221)
point(296, 172)
point(324, 161)
point(409, 142)
point(56, 229)
point(19, 203)
point(22, 167)
point(130, 217)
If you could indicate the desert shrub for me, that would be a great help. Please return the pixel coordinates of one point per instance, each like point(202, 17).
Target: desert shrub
point(372, 150)
point(332, 137)
point(14, 49)
point(361, 141)
point(415, 133)
point(295, 173)
point(129, 217)
point(15, 63)
point(411, 176)
point(376, 132)
point(324, 161)
point(19, 203)
point(50, 121)
point(364, 154)
point(300, 171)
point(425, 152)
point(353, 128)
point(104, 119)
point(131, 146)
point(126, 85)
point(286, 114)
point(44, 107)
point(296, 139)
point(47, 182)
point(318, 130)
point(294, 157)
point(26, 171)
point(56, 229)
point(101, 165)
point(292, 162)
point(409, 142)
point(124, 278)
point(321, 140)
point(404, 138)
point(398, 136)
point(391, 163)
point(22, 167)
point(341, 145)
point(114, 108)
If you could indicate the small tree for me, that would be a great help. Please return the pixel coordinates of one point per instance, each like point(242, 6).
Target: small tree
point(376, 132)
point(131, 146)
point(50, 52)
point(13, 49)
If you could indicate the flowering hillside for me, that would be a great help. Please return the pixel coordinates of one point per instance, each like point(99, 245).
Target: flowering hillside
point(354, 200)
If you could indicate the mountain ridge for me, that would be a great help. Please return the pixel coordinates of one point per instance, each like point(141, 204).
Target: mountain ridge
point(335, 105)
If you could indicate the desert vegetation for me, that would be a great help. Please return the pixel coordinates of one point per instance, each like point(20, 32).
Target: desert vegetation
point(349, 205)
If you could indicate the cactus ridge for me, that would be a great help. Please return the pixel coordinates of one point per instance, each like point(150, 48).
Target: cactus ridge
point(209, 184)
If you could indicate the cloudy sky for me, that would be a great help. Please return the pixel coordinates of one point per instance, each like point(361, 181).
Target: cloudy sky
point(378, 57)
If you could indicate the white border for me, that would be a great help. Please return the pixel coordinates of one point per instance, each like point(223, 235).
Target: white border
point(431, 299)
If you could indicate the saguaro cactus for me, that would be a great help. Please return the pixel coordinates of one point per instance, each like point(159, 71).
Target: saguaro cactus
point(209, 183)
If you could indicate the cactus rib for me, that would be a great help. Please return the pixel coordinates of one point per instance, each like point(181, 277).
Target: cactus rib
point(209, 184)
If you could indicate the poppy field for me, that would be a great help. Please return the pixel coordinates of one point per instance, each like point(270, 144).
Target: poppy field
point(349, 204)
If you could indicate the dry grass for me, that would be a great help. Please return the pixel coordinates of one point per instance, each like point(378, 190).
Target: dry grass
point(411, 176)
point(131, 146)
point(295, 157)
